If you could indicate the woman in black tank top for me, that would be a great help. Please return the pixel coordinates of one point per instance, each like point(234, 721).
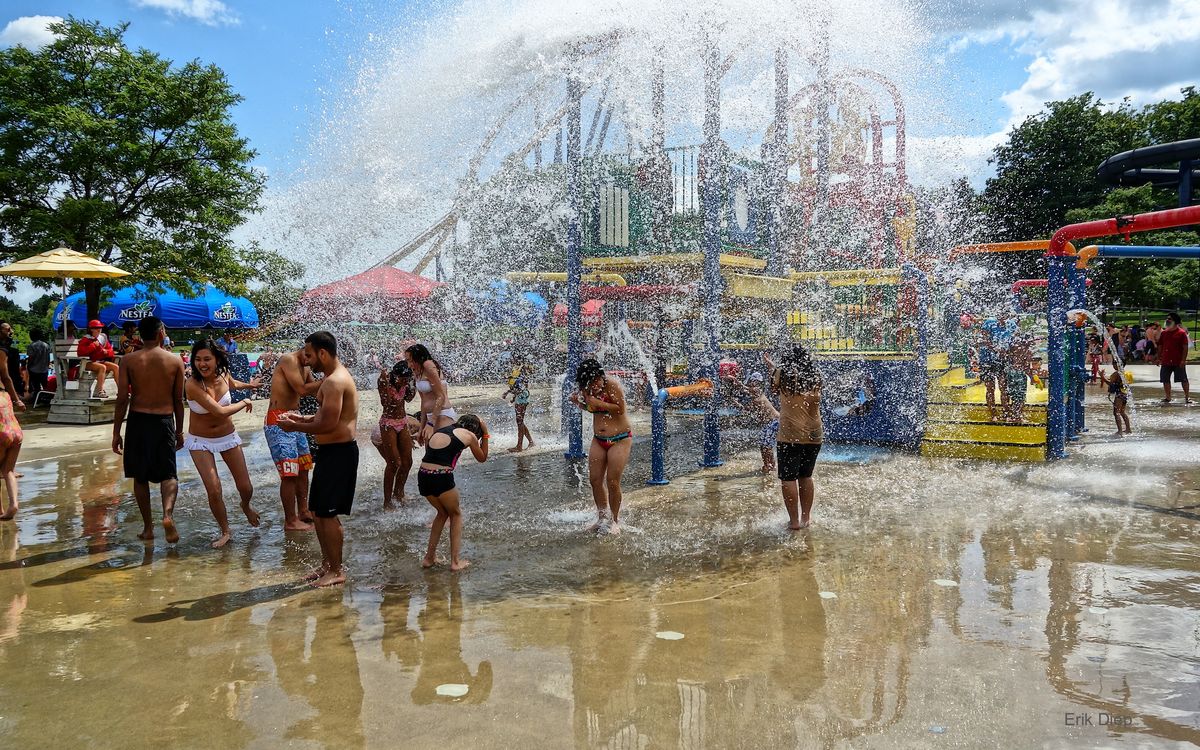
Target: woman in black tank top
point(435, 480)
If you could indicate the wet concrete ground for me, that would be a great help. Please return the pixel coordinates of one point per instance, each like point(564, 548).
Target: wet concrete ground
point(935, 603)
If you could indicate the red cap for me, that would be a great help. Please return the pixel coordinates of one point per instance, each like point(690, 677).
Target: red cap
point(95, 324)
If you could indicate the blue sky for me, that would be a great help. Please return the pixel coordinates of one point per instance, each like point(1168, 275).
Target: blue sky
point(286, 57)
point(279, 55)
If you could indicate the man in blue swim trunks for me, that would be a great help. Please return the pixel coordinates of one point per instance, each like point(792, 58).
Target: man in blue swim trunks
point(290, 450)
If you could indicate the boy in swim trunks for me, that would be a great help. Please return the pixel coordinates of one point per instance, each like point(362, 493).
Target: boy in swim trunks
point(335, 475)
point(150, 405)
point(768, 421)
point(290, 450)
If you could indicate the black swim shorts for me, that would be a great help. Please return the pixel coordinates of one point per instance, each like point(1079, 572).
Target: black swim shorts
point(796, 460)
point(333, 480)
point(149, 447)
point(434, 483)
point(1166, 371)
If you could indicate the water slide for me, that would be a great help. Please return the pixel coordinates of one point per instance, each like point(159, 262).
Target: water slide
point(1144, 165)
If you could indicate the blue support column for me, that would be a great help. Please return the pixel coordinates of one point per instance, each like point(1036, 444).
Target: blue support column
point(920, 284)
point(1078, 281)
point(711, 283)
point(658, 438)
point(777, 166)
point(572, 418)
point(1056, 355)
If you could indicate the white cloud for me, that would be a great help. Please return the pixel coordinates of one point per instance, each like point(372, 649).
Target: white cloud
point(31, 32)
point(210, 12)
point(1141, 50)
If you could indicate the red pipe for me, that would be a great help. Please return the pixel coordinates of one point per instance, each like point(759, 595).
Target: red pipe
point(1126, 225)
point(1023, 283)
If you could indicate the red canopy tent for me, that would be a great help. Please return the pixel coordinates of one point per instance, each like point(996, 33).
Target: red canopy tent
point(379, 295)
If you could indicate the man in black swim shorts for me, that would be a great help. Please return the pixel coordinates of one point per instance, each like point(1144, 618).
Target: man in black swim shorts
point(150, 405)
point(335, 426)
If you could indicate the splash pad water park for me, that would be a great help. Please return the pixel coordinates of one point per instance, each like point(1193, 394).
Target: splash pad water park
point(965, 568)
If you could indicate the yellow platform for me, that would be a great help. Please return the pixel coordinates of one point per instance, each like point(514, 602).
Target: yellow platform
point(955, 412)
point(959, 423)
point(983, 451)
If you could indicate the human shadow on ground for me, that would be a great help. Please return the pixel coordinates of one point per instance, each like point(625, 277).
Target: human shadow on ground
point(219, 605)
point(107, 565)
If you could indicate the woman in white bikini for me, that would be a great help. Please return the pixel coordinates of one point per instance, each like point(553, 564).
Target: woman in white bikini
point(436, 411)
point(211, 431)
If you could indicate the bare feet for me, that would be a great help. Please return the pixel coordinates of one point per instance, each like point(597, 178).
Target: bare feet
point(297, 525)
point(330, 579)
point(388, 504)
point(428, 562)
point(515, 449)
point(460, 565)
point(221, 541)
point(147, 534)
point(614, 528)
point(10, 514)
point(251, 514)
point(315, 573)
point(594, 528)
point(172, 532)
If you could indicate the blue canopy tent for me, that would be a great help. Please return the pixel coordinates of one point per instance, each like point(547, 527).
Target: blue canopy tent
point(209, 308)
point(499, 302)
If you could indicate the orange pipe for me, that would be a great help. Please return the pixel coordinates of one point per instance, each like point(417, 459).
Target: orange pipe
point(1084, 256)
point(1023, 246)
point(699, 388)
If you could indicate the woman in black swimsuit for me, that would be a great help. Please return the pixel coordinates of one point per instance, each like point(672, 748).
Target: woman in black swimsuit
point(435, 480)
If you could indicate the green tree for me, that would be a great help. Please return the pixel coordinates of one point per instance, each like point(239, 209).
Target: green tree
point(1047, 165)
point(122, 155)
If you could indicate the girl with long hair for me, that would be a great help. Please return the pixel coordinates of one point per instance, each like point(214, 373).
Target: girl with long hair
point(798, 384)
point(211, 431)
point(436, 411)
point(396, 442)
point(612, 441)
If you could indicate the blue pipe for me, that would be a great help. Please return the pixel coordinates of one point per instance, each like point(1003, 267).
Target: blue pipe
point(1146, 251)
point(1056, 411)
point(658, 438)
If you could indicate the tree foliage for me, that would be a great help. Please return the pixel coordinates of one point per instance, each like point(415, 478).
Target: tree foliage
point(1046, 178)
point(120, 154)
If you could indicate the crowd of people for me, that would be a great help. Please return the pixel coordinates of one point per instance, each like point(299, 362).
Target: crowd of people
point(155, 387)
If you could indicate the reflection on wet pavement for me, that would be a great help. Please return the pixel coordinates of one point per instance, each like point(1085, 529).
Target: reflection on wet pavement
point(983, 605)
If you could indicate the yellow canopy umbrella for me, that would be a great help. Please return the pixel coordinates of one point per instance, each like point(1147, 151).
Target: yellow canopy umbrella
point(62, 263)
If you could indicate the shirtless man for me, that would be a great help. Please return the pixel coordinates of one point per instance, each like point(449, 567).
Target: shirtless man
point(290, 450)
point(335, 426)
point(150, 389)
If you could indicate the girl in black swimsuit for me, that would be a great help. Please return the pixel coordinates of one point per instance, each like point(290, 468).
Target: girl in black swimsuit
point(435, 480)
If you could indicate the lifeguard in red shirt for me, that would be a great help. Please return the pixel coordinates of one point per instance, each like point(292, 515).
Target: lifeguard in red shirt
point(103, 360)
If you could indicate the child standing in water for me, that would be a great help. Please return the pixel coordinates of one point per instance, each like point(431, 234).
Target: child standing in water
point(1017, 370)
point(767, 417)
point(518, 388)
point(1118, 393)
point(798, 385)
point(612, 441)
point(435, 480)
